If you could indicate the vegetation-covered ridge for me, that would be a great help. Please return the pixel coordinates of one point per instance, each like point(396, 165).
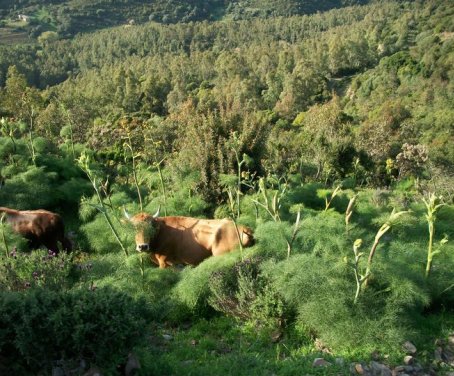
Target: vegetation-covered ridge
point(76, 16)
point(341, 92)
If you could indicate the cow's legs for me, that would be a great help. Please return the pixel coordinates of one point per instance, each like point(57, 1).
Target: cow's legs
point(52, 246)
point(161, 260)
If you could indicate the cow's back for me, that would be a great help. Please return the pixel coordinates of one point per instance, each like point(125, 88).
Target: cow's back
point(228, 236)
point(183, 240)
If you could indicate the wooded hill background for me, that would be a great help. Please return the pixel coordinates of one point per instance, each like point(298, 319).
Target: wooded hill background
point(362, 91)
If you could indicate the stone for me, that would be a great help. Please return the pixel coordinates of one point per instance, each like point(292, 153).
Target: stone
point(167, 337)
point(58, 371)
point(131, 365)
point(93, 371)
point(451, 340)
point(358, 369)
point(320, 362)
point(438, 354)
point(378, 369)
point(408, 360)
point(339, 362)
point(409, 348)
point(398, 370)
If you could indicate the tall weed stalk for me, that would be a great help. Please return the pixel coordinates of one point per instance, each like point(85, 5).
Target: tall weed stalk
point(433, 205)
point(336, 191)
point(2, 219)
point(349, 211)
point(84, 164)
point(392, 220)
point(360, 278)
point(128, 145)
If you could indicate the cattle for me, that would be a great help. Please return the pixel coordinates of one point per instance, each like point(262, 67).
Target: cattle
point(184, 240)
point(40, 227)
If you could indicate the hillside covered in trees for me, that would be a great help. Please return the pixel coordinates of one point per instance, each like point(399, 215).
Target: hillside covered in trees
point(327, 129)
point(341, 92)
point(76, 16)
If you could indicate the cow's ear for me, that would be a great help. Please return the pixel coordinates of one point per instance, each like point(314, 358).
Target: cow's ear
point(156, 215)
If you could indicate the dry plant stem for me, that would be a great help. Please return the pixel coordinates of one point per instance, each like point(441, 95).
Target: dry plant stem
point(239, 238)
point(70, 123)
point(432, 208)
point(360, 279)
point(296, 228)
point(30, 136)
point(382, 231)
point(2, 219)
point(334, 194)
point(109, 222)
point(84, 165)
point(349, 211)
point(134, 170)
point(163, 188)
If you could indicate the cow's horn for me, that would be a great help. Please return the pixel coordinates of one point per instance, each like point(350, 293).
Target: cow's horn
point(127, 215)
point(156, 215)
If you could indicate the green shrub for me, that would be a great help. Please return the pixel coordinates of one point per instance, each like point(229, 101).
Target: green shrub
point(325, 233)
point(320, 292)
point(40, 268)
point(96, 224)
point(40, 327)
point(193, 290)
point(32, 189)
point(242, 292)
point(10, 240)
point(272, 239)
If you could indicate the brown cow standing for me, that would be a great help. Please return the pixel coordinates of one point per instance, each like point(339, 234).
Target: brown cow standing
point(40, 227)
point(185, 240)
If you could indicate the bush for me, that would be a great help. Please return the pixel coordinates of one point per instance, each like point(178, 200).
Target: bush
point(320, 292)
point(21, 271)
point(242, 292)
point(193, 290)
point(39, 327)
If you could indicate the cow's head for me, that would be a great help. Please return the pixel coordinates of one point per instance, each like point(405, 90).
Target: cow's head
point(146, 228)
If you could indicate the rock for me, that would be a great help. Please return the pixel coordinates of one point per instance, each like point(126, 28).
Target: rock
point(58, 371)
point(451, 340)
point(358, 369)
point(448, 356)
point(398, 370)
point(131, 365)
point(408, 360)
point(320, 362)
point(438, 354)
point(378, 369)
point(93, 371)
point(167, 337)
point(409, 348)
point(339, 362)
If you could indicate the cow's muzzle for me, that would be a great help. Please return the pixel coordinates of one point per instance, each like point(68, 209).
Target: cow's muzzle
point(142, 247)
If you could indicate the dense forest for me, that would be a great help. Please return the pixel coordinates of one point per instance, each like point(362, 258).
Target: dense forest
point(325, 128)
point(75, 16)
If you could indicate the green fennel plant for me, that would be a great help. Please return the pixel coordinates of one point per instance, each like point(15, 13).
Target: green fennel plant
point(433, 205)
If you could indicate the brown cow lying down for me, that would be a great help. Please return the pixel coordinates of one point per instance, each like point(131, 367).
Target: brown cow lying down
point(40, 227)
point(185, 240)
